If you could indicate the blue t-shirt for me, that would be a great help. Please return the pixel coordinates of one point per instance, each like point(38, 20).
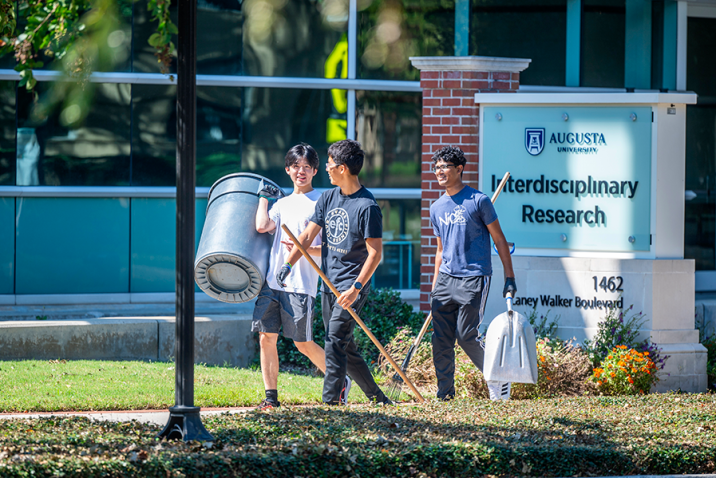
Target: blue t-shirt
point(460, 221)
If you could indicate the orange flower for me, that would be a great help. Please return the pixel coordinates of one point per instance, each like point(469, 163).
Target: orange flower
point(613, 374)
point(631, 380)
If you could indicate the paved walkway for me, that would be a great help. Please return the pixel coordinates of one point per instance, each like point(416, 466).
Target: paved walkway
point(159, 417)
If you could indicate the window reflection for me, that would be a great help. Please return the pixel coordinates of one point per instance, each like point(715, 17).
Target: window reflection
point(400, 266)
point(275, 119)
point(7, 133)
point(389, 32)
point(291, 38)
point(603, 31)
point(388, 126)
point(95, 154)
point(541, 35)
point(218, 134)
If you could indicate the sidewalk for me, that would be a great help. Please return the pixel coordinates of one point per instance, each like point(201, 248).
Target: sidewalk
point(159, 417)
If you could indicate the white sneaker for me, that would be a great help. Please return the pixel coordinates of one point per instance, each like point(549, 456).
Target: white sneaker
point(346, 389)
point(499, 390)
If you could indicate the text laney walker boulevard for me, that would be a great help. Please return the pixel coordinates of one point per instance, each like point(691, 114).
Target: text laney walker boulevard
point(578, 302)
point(617, 189)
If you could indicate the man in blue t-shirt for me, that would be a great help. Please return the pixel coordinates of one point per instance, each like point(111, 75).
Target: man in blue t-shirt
point(463, 220)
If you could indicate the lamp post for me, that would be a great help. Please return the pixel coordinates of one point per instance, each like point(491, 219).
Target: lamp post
point(184, 418)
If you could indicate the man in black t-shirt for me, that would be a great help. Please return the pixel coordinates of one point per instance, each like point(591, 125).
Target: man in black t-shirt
point(352, 226)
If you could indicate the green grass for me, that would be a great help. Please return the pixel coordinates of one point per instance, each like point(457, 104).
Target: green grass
point(590, 436)
point(35, 385)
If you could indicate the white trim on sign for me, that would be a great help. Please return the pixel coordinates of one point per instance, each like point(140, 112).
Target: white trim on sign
point(567, 99)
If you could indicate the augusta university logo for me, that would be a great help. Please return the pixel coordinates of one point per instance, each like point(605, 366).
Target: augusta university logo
point(337, 225)
point(534, 140)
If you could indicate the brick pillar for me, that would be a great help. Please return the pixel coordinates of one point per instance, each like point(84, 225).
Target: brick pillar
point(451, 117)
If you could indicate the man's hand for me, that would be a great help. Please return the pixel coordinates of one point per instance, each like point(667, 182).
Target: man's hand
point(510, 287)
point(269, 191)
point(347, 298)
point(282, 273)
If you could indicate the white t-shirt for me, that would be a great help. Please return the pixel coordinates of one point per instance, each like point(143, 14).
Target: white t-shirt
point(295, 211)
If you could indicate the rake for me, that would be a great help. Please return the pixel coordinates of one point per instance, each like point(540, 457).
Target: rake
point(395, 386)
point(353, 313)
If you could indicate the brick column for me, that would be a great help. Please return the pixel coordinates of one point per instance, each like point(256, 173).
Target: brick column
point(451, 117)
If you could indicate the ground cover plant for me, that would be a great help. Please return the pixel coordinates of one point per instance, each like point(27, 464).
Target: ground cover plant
point(586, 436)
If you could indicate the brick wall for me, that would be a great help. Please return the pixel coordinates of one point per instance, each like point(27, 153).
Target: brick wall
point(450, 117)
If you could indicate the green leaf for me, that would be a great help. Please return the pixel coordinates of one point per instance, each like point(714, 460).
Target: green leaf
point(172, 29)
point(155, 40)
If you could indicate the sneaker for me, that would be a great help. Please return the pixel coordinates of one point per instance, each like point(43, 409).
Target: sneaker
point(381, 400)
point(267, 405)
point(499, 390)
point(346, 390)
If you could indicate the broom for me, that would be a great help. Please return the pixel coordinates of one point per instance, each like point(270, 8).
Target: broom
point(395, 386)
point(358, 320)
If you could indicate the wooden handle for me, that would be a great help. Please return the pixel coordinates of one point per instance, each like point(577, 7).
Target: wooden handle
point(500, 186)
point(424, 329)
point(353, 314)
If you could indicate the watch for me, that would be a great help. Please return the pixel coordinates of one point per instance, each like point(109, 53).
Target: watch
point(358, 285)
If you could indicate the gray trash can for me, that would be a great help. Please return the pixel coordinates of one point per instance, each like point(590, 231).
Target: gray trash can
point(232, 259)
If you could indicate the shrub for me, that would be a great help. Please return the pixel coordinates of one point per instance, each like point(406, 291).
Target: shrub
point(543, 326)
point(625, 371)
point(710, 344)
point(621, 328)
point(384, 313)
point(563, 370)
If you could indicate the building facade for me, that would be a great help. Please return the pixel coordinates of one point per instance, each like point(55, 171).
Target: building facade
point(87, 214)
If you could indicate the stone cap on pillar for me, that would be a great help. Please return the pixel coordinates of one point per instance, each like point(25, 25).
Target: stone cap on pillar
point(469, 63)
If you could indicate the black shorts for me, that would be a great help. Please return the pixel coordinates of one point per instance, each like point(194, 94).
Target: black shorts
point(292, 310)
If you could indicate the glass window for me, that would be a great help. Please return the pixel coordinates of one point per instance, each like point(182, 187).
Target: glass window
point(391, 32)
point(541, 35)
point(603, 32)
point(218, 42)
point(296, 38)
point(7, 133)
point(400, 265)
point(95, 154)
point(388, 126)
point(700, 227)
point(218, 134)
point(275, 119)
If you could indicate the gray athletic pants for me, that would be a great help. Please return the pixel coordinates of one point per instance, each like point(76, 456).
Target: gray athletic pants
point(458, 305)
point(341, 352)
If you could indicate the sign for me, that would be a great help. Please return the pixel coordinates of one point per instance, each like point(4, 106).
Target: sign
point(580, 176)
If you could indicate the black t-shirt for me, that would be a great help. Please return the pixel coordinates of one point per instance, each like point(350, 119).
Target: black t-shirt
point(347, 221)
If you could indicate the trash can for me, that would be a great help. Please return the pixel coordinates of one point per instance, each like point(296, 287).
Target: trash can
point(233, 258)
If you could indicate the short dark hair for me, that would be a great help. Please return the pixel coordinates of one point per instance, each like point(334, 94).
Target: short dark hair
point(349, 153)
point(302, 151)
point(450, 154)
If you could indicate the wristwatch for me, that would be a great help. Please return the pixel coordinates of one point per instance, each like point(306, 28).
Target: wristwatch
point(358, 285)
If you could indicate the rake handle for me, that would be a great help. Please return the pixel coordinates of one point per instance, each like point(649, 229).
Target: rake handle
point(500, 186)
point(353, 314)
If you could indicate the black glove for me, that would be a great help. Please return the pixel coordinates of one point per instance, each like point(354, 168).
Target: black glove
point(510, 286)
point(269, 191)
point(282, 273)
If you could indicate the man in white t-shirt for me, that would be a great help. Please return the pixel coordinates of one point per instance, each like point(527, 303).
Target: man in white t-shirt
point(290, 307)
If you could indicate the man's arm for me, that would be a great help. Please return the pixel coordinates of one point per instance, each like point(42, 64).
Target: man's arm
point(503, 250)
point(375, 251)
point(438, 261)
point(263, 221)
point(306, 239)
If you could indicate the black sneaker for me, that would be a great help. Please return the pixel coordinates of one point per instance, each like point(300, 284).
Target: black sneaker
point(346, 390)
point(267, 404)
point(381, 400)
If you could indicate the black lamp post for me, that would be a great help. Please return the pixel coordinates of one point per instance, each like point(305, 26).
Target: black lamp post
point(184, 419)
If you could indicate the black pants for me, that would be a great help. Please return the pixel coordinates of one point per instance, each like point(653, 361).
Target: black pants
point(458, 305)
point(341, 352)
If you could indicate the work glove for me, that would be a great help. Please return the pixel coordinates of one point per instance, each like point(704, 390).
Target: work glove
point(269, 191)
point(510, 286)
point(282, 273)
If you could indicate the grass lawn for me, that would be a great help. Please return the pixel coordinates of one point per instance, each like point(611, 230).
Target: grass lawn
point(590, 436)
point(35, 385)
